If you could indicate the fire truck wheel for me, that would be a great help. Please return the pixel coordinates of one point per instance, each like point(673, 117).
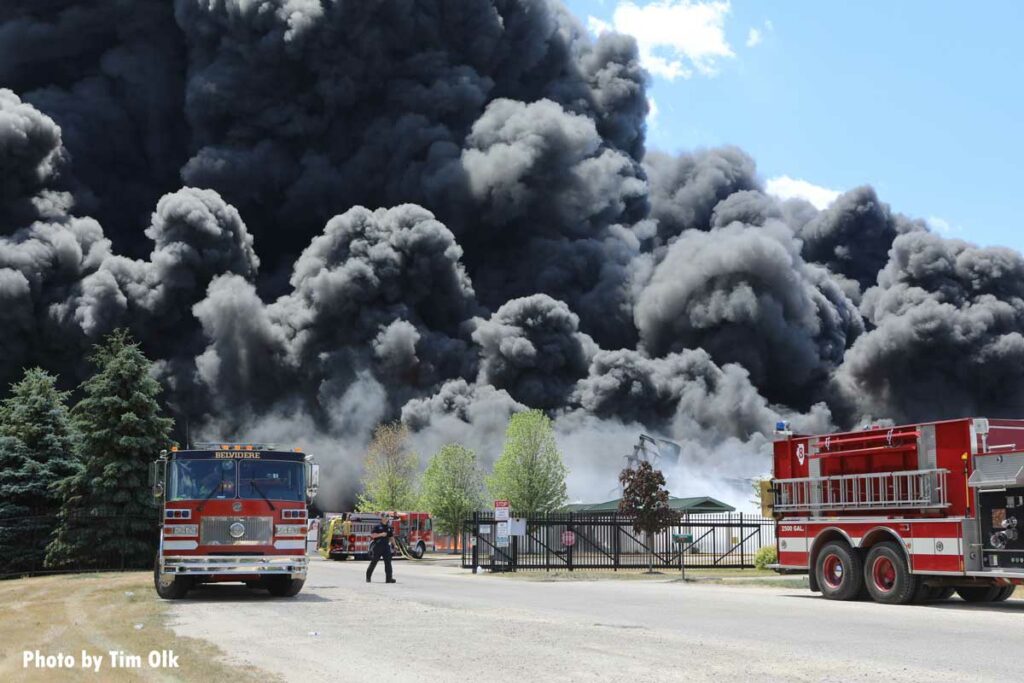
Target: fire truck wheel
point(283, 586)
point(170, 587)
point(939, 593)
point(978, 593)
point(838, 571)
point(887, 576)
point(419, 550)
point(1004, 593)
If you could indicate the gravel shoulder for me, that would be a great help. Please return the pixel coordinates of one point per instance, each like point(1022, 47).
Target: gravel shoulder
point(67, 614)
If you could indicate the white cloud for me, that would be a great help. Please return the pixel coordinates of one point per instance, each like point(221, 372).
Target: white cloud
point(785, 187)
point(597, 26)
point(942, 226)
point(676, 38)
point(652, 111)
point(753, 37)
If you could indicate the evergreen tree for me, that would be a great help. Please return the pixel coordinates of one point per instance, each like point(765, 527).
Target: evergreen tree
point(107, 513)
point(530, 473)
point(389, 481)
point(453, 488)
point(36, 453)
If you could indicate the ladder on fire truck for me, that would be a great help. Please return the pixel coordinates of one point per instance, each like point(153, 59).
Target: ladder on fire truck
point(915, 489)
point(901, 489)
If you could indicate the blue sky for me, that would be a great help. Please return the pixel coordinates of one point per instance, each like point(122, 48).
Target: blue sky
point(922, 100)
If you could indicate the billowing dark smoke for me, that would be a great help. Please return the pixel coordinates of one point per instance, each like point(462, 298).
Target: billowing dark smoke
point(320, 215)
point(947, 321)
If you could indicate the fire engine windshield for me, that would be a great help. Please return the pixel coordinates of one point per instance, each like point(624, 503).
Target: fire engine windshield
point(219, 479)
point(200, 479)
point(273, 479)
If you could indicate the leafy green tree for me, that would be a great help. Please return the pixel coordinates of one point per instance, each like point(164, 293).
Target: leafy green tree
point(107, 510)
point(645, 499)
point(530, 473)
point(453, 488)
point(36, 453)
point(389, 479)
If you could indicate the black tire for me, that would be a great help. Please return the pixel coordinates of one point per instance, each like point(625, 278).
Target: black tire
point(170, 587)
point(419, 550)
point(839, 571)
point(283, 586)
point(978, 593)
point(1004, 593)
point(987, 593)
point(888, 577)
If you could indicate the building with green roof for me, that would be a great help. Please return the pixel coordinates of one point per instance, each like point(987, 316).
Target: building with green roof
point(696, 505)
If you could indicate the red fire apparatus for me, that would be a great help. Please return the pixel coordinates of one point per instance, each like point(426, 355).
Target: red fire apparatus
point(348, 534)
point(233, 513)
point(903, 514)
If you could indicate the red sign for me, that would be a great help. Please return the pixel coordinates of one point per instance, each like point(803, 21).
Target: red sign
point(501, 509)
point(568, 538)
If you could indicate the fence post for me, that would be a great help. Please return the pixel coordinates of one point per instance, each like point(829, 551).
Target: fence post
point(617, 530)
point(547, 541)
point(476, 540)
point(515, 552)
point(124, 536)
point(743, 545)
point(570, 527)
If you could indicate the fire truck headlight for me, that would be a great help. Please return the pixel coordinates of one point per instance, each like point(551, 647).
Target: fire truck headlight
point(289, 530)
point(181, 530)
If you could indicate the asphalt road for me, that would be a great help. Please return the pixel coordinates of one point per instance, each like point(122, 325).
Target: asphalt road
point(440, 623)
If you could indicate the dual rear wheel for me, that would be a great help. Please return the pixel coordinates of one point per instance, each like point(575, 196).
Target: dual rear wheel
point(883, 574)
point(844, 574)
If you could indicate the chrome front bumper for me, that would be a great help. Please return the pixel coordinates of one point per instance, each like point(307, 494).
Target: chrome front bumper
point(294, 565)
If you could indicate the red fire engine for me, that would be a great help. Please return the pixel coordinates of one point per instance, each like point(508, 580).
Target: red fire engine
point(233, 513)
point(903, 514)
point(348, 534)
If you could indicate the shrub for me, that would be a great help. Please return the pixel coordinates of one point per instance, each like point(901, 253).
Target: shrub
point(766, 556)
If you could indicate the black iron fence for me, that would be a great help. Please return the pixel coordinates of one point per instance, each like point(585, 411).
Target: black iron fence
point(25, 542)
point(600, 541)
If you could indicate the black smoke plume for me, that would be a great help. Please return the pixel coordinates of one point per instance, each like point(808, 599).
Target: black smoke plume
point(320, 215)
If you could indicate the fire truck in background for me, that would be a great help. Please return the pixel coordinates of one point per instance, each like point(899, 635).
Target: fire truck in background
point(903, 514)
point(347, 534)
point(233, 513)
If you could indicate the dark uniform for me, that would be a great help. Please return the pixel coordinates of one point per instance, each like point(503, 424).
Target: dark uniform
point(380, 549)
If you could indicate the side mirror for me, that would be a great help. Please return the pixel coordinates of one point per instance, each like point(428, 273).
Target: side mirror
point(156, 479)
point(314, 480)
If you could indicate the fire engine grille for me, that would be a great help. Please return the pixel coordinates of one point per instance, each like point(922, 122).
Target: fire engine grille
point(255, 531)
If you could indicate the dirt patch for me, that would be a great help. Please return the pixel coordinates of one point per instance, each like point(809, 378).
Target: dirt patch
point(99, 613)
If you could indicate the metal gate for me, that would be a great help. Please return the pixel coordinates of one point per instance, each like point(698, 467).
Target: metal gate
point(608, 541)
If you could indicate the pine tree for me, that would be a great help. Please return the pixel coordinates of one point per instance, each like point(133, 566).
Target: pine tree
point(36, 453)
point(108, 515)
point(530, 473)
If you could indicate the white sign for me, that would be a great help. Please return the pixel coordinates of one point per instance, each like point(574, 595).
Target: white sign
point(502, 533)
point(501, 511)
point(517, 526)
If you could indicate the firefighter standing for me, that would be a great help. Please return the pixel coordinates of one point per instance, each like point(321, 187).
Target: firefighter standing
point(380, 547)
